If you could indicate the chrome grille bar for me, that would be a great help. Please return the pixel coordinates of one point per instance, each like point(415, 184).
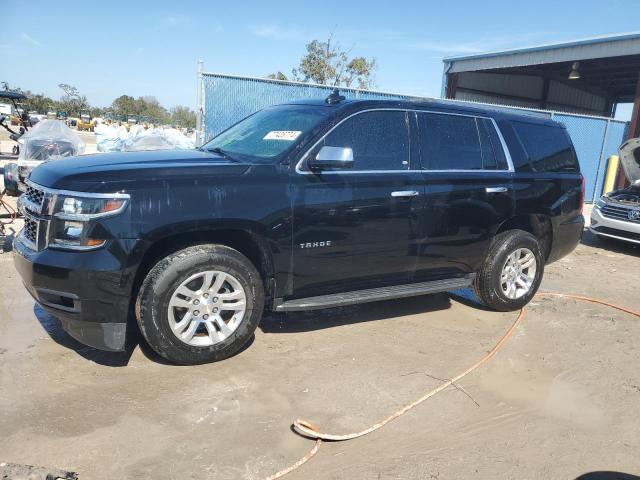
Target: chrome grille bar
point(33, 203)
point(618, 212)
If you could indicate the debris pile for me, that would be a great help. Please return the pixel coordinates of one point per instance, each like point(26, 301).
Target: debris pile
point(110, 138)
point(49, 140)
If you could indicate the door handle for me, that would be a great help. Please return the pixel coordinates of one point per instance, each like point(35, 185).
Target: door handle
point(405, 193)
point(496, 189)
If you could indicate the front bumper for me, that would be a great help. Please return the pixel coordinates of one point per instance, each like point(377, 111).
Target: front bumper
point(89, 292)
point(614, 228)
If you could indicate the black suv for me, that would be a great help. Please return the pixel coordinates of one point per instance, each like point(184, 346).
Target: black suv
point(301, 206)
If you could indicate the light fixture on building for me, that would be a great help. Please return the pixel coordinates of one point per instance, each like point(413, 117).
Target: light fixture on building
point(575, 74)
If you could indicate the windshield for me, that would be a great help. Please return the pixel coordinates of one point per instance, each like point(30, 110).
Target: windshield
point(268, 133)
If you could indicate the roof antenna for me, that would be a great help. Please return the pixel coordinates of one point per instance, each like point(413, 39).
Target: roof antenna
point(335, 97)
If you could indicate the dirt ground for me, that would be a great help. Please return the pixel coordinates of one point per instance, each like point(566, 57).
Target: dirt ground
point(560, 400)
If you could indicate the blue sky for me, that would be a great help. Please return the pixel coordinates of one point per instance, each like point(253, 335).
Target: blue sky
point(151, 48)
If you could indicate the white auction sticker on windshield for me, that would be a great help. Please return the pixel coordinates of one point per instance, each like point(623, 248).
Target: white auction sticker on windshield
point(287, 135)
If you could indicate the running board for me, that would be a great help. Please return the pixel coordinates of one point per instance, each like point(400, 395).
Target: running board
point(373, 294)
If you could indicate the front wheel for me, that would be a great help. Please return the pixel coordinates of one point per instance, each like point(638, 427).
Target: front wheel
point(201, 304)
point(511, 273)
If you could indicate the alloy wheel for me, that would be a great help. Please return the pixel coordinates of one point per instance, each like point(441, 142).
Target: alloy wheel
point(518, 273)
point(207, 308)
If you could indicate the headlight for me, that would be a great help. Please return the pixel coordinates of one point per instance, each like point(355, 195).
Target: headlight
point(81, 208)
point(600, 203)
point(73, 215)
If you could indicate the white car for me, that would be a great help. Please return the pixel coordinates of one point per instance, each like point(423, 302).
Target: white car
point(617, 214)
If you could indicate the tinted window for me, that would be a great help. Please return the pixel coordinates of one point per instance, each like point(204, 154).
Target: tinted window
point(379, 140)
point(449, 142)
point(489, 161)
point(493, 156)
point(516, 149)
point(548, 147)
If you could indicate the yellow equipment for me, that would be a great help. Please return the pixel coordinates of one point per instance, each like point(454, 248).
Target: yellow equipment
point(85, 122)
point(611, 173)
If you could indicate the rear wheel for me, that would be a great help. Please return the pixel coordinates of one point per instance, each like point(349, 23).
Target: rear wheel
point(200, 304)
point(512, 271)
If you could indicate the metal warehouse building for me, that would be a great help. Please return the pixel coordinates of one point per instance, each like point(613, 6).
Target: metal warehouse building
point(588, 77)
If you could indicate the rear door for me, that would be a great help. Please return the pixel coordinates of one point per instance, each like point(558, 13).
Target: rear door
point(358, 228)
point(468, 191)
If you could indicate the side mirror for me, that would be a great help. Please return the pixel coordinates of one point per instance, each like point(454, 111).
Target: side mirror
point(332, 157)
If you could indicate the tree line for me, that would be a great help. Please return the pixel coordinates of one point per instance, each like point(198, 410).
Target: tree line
point(327, 63)
point(72, 102)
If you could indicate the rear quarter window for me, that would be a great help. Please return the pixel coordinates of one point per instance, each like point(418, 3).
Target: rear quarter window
point(548, 148)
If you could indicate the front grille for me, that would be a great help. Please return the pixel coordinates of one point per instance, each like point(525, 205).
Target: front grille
point(35, 205)
point(618, 212)
point(30, 231)
point(34, 195)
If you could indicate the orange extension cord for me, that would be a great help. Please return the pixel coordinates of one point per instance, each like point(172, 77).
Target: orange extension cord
point(309, 430)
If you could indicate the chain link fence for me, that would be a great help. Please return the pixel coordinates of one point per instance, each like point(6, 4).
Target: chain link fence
point(226, 99)
point(595, 140)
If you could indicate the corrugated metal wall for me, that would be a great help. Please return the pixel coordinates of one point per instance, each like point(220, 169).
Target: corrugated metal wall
point(527, 91)
point(493, 99)
point(228, 99)
point(565, 98)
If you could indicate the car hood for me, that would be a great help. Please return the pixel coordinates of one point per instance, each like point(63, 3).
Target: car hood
point(122, 171)
point(630, 160)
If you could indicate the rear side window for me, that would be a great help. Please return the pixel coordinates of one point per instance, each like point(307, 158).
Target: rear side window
point(548, 147)
point(449, 142)
point(379, 139)
point(493, 157)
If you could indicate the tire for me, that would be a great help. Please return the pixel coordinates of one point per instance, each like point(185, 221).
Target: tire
point(488, 284)
point(161, 307)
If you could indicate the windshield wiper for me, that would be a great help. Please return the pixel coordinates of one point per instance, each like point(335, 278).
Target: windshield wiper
point(222, 153)
point(219, 151)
